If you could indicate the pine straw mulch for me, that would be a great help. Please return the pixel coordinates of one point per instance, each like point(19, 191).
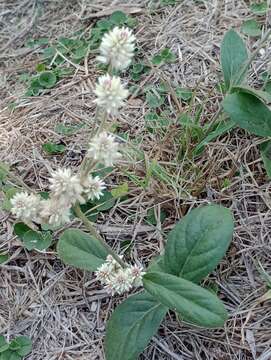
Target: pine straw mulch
point(64, 310)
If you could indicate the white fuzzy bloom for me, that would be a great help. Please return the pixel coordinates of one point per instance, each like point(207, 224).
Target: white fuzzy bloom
point(52, 212)
point(110, 93)
point(25, 206)
point(136, 273)
point(103, 148)
point(66, 187)
point(117, 48)
point(116, 279)
point(93, 187)
point(121, 282)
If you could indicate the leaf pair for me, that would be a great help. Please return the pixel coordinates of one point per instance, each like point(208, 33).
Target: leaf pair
point(194, 248)
point(245, 105)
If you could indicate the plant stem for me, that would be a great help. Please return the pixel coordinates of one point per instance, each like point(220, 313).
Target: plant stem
point(94, 233)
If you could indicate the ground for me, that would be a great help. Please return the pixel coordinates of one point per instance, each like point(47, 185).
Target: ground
point(64, 310)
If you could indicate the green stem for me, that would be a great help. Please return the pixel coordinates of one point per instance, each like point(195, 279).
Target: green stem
point(94, 233)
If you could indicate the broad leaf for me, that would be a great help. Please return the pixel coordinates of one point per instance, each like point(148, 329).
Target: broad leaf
point(195, 304)
point(251, 28)
point(233, 58)
point(81, 250)
point(249, 113)
point(260, 94)
point(22, 345)
point(33, 239)
point(198, 242)
point(37, 240)
point(132, 325)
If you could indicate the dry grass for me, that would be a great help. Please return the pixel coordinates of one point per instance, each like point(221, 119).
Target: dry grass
point(63, 310)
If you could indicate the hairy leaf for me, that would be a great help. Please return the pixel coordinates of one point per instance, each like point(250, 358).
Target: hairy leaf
point(249, 113)
point(233, 58)
point(195, 304)
point(198, 242)
point(81, 250)
point(132, 325)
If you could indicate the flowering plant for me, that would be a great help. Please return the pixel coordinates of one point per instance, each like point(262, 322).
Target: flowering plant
point(194, 247)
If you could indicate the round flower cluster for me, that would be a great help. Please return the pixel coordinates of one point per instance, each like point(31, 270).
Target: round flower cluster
point(66, 189)
point(110, 93)
point(104, 149)
point(117, 280)
point(116, 50)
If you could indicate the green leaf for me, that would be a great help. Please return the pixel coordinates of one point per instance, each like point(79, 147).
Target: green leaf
point(10, 355)
point(132, 325)
point(3, 258)
point(53, 149)
point(67, 129)
point(32, 239)
point(37, 240)
point(265, 149)
point(4, 170)
point(221, 129)
point(233, 58)
point(81, 250)
point(47, 79)
point(6, 205)
point(120, 190)
point(20, 229)
point(154, 100)
point(168, 56)
point(40, 67)
point(3, 344)
point(260, 8)
point(118, 18)
point(260, 94)
point(249, 113)
point(183, 93)
point(251, 28)
point(198, 242)
point(157, 59)
point(195, 304)
point(22, 345)
point(106, 202)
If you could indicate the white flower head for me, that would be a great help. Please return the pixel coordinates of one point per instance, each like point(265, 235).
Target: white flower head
point(103, 148)
point(117, 48)
point(66, 187)
point(110, 93)
point(93, 187)
point(136, 273)
point(103, 273)
point(52, 212)
point(25, 206)
point(121, 282)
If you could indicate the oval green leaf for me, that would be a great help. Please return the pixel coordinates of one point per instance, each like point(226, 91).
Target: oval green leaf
point(233, 58)
point(198, 242)
point(81, 250)
point(132, 325)
point(47, 79)
point(249, 113)
point(195, 304)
